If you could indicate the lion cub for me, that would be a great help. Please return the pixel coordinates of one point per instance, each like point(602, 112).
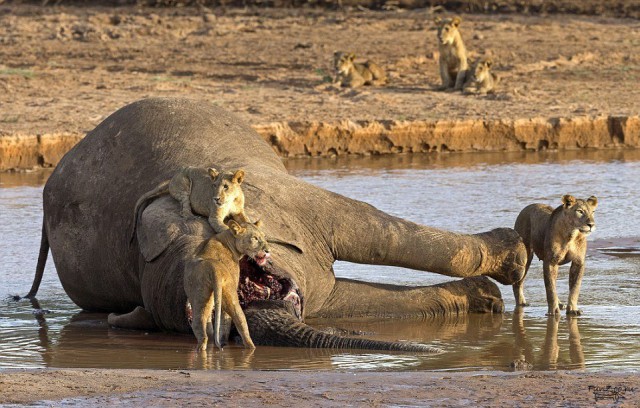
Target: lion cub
point(211, 280)
point(557, 237)
point(205, 191)
point(453, 54)
point(480, 79)
point(351, 74)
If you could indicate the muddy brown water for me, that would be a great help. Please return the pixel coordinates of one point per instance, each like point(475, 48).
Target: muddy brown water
point(459, 192)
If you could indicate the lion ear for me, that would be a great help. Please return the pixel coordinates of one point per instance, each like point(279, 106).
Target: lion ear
point(437, 20)
point(489, 62)
point(258, 223)
point(456, 21)
point(213, 173)
point(236, 229)
point(592, 201)
point(352, 56)
point(568, 200)
point(238, 177)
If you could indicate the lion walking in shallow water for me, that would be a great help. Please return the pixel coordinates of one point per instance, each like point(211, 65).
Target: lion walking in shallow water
point(557, 237)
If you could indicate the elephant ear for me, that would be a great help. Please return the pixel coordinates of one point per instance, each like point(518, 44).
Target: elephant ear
point(161, 225)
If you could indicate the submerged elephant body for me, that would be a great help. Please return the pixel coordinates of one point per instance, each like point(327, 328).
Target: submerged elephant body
point(89, 199)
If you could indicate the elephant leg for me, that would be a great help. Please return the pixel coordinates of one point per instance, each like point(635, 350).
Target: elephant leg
point(351, 298)
point(138, 319)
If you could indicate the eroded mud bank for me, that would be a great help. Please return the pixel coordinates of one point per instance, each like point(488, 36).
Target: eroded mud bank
point(384, 137)
point(319, 139)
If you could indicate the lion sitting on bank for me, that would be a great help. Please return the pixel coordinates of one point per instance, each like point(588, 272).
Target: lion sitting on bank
point(352, 74)
point(480, 79)
point(453, 61)
point(557, 237)
point(206, 192)
point(211, 280)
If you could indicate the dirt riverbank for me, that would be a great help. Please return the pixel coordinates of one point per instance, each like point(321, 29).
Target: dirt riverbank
point(70, 387)
point(566, 79)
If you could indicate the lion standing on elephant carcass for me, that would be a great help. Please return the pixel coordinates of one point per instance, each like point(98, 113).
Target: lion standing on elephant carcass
point(206, 192)
point(211, 280)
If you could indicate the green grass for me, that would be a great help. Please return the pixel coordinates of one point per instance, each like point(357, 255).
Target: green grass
point(323, 74)
point(164, 78)
point(25, 73)
point(10, 119)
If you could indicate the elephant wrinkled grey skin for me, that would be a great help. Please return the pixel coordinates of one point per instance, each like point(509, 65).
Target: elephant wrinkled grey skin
point(89, 199)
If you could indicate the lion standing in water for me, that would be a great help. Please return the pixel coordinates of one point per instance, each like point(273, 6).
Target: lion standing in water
point(211, 280)
point(557, 237)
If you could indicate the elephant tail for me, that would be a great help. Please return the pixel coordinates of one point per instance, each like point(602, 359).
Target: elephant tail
point(272, 324)
point(42, 261)
point(141, 204)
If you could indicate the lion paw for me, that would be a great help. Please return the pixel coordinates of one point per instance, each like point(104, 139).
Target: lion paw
point(574, 312)
point(553, 311)
point(201, 347)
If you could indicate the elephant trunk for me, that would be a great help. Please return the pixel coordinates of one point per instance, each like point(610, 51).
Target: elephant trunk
point(272, 323)
point(363, 234)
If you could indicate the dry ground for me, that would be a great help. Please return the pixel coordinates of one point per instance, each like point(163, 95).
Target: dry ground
point(63, 69)
point(278, 388)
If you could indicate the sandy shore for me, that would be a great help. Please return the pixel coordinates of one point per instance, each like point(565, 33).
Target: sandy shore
point(277, 388)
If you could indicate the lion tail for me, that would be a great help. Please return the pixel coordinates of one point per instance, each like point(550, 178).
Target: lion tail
point(141, 204)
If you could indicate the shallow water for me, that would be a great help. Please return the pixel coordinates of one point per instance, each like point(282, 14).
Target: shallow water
point(464, 193)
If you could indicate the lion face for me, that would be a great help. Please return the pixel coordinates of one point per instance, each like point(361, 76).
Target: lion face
point(343, 62)
point(226, 186)
point(580, 213)
point(250, 241)
point(447, 29)
point(481, 70)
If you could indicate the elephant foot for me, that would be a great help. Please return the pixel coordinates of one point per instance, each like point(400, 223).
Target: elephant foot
point(138, 319)
point(484, 296)
point(504, 257)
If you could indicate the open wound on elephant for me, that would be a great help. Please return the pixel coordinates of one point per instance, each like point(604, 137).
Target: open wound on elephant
point(262, 283)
